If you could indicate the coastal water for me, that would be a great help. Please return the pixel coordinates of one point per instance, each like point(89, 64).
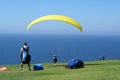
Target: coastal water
point(65, 47)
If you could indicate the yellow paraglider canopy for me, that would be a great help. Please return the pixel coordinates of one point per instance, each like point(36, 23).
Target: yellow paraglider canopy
point(56, 17)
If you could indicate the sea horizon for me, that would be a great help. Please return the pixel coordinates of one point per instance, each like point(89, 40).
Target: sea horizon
point(65, 47)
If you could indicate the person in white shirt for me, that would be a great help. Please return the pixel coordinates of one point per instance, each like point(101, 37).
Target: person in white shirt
point(25, 56)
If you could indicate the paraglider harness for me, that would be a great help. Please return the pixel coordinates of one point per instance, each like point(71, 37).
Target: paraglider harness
point(25, 56)
point(75, 64)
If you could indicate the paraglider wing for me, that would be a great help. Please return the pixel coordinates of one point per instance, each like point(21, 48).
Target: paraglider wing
point(56, 17)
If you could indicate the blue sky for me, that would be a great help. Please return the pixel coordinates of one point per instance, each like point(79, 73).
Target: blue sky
point(98, 17)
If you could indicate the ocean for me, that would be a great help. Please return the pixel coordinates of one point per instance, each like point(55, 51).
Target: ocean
point(65, 47)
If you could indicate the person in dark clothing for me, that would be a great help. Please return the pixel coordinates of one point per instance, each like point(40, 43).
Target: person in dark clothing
point(54, 59)
point(25, 56)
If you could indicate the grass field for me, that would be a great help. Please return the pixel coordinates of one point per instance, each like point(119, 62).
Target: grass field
point(97, 70)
